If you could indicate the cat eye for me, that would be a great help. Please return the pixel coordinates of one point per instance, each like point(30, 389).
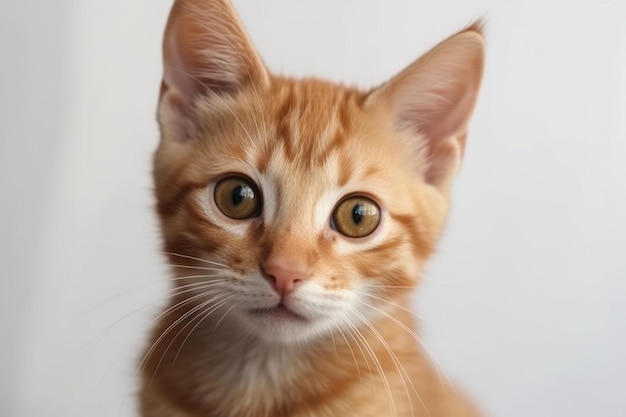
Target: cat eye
point(356, 216)
point(237, 197)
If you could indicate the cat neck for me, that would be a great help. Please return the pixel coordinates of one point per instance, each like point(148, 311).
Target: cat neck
point(225, 363)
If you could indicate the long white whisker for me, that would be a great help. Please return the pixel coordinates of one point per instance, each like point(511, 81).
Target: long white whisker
point(169, 328)
point(205, 315)
point(351, 331)
point(209, 283)
point(332, 337)
point(174, 292)
point(356, 363)
point(180, 255)
point(392, 286)
point(408, 310)
point(208, 306)
point(147, 355)
point(224, 316)
point(213, 276)
point(187, 300)
point(395, 360)
point(419, 340)
point(397, 363)
point(203, 268)
point(147, 283)
point(381, 371)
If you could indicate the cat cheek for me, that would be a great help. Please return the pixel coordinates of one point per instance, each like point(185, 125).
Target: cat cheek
point(333, 283)
point(237, 263)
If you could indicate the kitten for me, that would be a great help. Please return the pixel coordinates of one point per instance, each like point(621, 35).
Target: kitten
point(297, 216)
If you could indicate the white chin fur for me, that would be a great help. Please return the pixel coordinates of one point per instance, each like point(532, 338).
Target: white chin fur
point(283, 330)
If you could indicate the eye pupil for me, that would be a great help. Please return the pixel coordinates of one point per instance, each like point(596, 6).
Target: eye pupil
point(240, 193)
point(357, 213)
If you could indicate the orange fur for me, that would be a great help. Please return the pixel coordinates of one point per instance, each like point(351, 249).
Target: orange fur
point(306, 145)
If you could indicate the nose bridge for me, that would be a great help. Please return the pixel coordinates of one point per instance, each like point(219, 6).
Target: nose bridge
point(290, 239)
point(289, 242)
point(288, 261)
point(291, 232)
point(293, 220)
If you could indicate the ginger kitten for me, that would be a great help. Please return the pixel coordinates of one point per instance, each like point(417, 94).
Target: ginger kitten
point(297, 216)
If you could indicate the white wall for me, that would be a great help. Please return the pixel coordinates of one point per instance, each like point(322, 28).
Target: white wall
point(33, 85)
point(524, 304)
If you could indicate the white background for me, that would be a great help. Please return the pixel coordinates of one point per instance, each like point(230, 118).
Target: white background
point(525, 303)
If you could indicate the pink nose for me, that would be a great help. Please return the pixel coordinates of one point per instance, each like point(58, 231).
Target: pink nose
point(284, 275)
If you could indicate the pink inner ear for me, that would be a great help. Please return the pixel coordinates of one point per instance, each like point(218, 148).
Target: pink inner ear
point(444, 114)
point(444, 160)
point(434, 98)
point(206, 52)
point(174, 115)
point(199, 63)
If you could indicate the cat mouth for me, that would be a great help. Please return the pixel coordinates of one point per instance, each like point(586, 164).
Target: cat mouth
point(278, 312)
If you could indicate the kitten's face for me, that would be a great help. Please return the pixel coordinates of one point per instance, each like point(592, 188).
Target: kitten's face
point(304, 183)
point(301, 207)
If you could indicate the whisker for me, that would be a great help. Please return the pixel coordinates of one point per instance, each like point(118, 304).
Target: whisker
point(207, 305)
point(180, 255)
point(173, 291)
point(351, 330)
point(144, 284)
point(332, 337)
point(396, 362)
point(182, 277)
point(419, 340)
point(392, 286)
point(169, 329)
point(381, 372)
point(203, 268)
point(356, 363)
point(222, 318)
point(205, 315)
point(210, 282)
point(182, 289)
point(187, 300)
point(408, 310)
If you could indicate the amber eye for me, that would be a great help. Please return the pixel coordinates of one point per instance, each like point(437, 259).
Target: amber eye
point(356, 216)
point(237, 198)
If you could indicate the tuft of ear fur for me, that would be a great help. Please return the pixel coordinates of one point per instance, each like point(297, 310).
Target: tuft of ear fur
point(434, 97)
point(206, 52)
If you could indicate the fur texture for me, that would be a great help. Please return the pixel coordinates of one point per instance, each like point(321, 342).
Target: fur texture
point(299, 306)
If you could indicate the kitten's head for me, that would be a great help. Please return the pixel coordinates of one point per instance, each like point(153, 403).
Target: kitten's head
point(299, 206)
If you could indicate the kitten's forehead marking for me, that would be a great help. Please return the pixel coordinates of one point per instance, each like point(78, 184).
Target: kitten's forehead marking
point(285, 186)
point(312, 120)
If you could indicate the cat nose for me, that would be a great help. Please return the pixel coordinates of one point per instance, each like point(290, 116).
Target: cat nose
point(284, 274)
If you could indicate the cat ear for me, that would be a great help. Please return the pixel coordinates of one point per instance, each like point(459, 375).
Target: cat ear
point(206, 53)
point(434, 97)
